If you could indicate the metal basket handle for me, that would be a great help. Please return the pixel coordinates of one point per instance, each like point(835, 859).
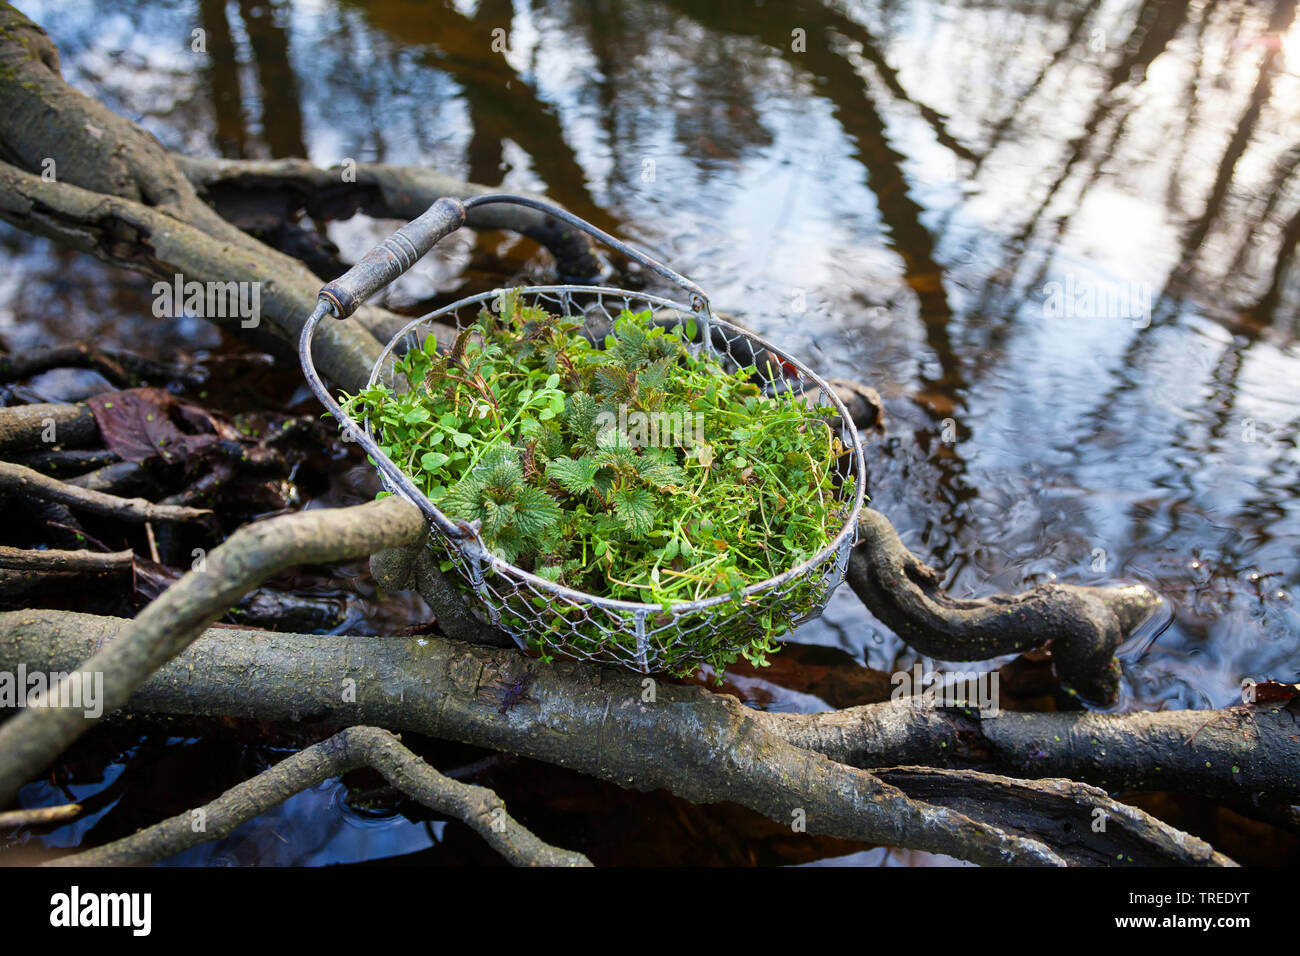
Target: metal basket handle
point(398, 253)
point(392, 257)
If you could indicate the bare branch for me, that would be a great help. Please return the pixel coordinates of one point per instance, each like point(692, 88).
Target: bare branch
point(350, 749)
point(385, 192)
point(121, 368)
point(24, 427)
point(38, 816)
point(25, 481)
point(35, 737)
point(1237, 752)
point(19, 559)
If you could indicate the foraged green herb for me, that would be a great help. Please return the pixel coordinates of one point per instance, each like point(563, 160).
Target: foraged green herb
point(635, 469)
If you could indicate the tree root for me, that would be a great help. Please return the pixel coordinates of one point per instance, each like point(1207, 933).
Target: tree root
point(16, 478)
point(121, 368)
point(1083, 624)
point(35, 737)
point(121, 196)
point(1238, 752)
point(62, 464)
point(95, 562)
point(1090, 828)
point(145, 239)
point(602, 721)
point(26, 427)
point(385, 192)
point(351, 749)
point(38, 816)
point(115, 479)
point(416, 569)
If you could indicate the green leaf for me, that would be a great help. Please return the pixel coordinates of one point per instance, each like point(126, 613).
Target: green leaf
point(433, 460)
point(611, 439)
point(582, 415)
point(535, 511)
point(573, 475)
point(663, 475)
point(635, 508)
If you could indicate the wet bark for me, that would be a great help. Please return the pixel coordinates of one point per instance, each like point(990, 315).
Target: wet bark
point(35, 737)
point(32, 484)
point(1083, 625)
point(19, 559)
point(599, 720)
point(147, 240)
point(1245, 751)
point(26, 427)
point(283, 187)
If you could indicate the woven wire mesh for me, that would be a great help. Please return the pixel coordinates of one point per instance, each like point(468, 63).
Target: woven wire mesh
point(555, 619)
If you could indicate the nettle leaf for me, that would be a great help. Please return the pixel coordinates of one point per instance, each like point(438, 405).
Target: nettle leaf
point(604, 483)
point(464, 500)
point(501, 470)
point(631, 347)
point(496, 517)
point(534, 511)
point(582, 414)
point(617, 384)
point(551, 572)
point(663, 475)
point(621, 458)
point(615, 445)
point(635, 508)
point(575, 476)
point(550, 443)
point(655, 375)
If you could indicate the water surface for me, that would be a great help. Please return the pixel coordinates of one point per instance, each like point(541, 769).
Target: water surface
point(1059, 237)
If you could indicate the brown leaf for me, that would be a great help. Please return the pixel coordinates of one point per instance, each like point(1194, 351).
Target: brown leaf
point(140, 424)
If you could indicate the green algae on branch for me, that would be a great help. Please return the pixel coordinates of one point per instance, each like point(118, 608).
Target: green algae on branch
point(635, 469)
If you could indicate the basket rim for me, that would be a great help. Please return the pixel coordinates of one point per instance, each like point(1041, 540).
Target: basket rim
point(472, 545)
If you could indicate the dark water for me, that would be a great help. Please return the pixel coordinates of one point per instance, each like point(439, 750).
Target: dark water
point(1060, 239)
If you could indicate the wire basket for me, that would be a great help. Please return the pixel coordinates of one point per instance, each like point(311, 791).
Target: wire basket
point(551, 617)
